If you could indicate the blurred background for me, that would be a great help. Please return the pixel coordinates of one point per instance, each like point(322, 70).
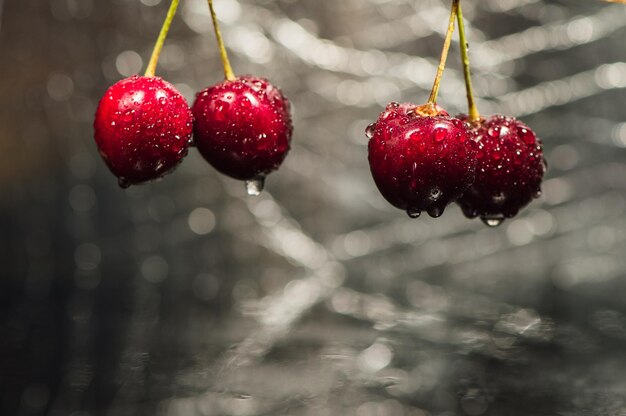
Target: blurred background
point(188, 297)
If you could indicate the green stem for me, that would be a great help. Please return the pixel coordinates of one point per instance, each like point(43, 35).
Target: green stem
point(156, 52)
point(444, 54)
point(228, 70)
point(474, 115)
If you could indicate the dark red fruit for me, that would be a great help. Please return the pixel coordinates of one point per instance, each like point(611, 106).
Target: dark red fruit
point(421, 158)
point(143, 128)
point(510, 169)
point(242, 127)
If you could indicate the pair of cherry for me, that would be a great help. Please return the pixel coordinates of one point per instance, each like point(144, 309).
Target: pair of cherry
point(422, 159)
point(144, 126)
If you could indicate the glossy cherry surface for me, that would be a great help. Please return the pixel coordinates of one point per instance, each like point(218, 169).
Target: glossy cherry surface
point(143, 129)
point(509, 172)
point(242, 127)
point(420, 162)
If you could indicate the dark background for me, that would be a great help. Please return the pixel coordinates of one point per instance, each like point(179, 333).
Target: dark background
point(187, 297)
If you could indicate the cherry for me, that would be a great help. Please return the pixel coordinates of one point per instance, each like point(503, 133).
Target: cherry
point(143, 125)
point(142, 128)
point(509, 172)
point(242, 127)
point(421, 158)
point(510, 158)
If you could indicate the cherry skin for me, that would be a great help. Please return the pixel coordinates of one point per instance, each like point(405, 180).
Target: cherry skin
point(421, 158)
point(242, 127)
point(142, 128)
point(510, 169)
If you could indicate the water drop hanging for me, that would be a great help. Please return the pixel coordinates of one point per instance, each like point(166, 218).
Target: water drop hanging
point(492, 222)
point(254, 186)
point(123, 183)
point(435, 211)
point(413, 213)
point(369, 130)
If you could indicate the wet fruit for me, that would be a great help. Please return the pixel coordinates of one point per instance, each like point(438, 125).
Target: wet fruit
point(421, 158)
point(509, 172)
point(243, 127)
point(243, 124)
point(142, 128)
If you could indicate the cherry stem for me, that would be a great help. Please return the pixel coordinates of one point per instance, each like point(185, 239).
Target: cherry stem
point(158, 46)
point(474, 115)
point(444, 54)
point(228, 70)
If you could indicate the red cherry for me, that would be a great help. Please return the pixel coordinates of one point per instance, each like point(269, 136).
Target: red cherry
point(243, 128)
point(510, 169)
point(142, 128)
point(421, 158)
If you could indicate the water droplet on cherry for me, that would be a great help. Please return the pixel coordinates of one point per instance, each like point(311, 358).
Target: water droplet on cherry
point(498, 198)
point(435, 193)
point(492, 222)
point(494, 131)
point(254, 186)
point(221, 112)
point(440, 133)
point(123, 183)
point(469, 212)
point(413, 213)
point(435, 211)
point(369, 130)
point(526, 135)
